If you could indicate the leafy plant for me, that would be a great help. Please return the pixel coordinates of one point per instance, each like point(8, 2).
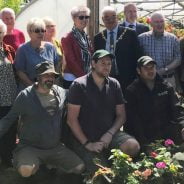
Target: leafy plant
point(163, 164)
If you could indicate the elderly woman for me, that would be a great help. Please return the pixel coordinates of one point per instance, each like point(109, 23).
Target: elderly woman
point(33, 52)
point(8, 90)
point(13, 37)
point(76, 46)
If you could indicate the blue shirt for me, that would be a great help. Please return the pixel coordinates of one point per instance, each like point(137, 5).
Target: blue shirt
point(27, 58)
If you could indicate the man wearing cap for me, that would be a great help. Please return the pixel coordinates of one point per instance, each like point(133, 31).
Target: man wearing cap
point(40, 107)
point(153, 109)
point(96, 113)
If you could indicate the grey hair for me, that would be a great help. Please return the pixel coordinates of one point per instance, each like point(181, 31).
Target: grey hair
point(3, 25)
point(35, 22)
point(129, 4)
point(77, 9)
point(7, 10)
point(48, 21)
point(107, 9)
point(157, 14)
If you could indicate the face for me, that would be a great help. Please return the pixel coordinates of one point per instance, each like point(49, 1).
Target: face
point(81, 20)
point(147, 72)
point(110, 19)
point(37, 33)
point(46, 81)
point(103, 66)
point(2, 33)
point(51, 29)
point(9, 20)
point(158, 23)
point(131, 13)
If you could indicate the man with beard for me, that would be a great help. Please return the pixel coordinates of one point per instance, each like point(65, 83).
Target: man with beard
point(153, 109)
point(96, 113)
point(40, 108)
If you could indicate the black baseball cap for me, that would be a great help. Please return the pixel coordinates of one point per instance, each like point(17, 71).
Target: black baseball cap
point(144, 60)
point(102, 53)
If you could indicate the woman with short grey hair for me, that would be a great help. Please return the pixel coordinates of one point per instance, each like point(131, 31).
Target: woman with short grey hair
point(77, 46)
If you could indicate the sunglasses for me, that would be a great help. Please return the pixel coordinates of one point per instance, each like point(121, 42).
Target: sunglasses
point(83, 17)
point(39, 30)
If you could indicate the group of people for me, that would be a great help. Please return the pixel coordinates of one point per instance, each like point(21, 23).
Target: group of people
point(119, 91)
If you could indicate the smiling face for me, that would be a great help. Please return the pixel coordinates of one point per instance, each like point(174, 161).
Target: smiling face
point(81, 20)
point(147, 72)
point(46, 81)
point(158, 23)
point(9, 19)
point(110, 19)
point(130, 12)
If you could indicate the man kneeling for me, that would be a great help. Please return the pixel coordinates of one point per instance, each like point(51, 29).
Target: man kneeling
point(40, 108)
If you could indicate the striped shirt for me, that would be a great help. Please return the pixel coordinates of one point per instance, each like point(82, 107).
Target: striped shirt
point(164, 50)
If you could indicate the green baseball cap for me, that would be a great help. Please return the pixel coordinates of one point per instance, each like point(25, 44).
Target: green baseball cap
point(144, 60)
point(102, 53)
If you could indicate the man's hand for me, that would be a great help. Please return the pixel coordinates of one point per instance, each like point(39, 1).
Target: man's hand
point(106, 138)
point(182, 133)
point(95, 146)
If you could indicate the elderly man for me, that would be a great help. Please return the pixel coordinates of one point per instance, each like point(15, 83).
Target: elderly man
point(14, 37)
point(40, 107)
point(153, 109)
point(163, 47)
point(96, 113)
point(123, 43)
point(130, 12)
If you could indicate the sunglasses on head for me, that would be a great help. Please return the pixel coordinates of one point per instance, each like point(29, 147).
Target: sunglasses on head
point(39, 30)
point(81, 17)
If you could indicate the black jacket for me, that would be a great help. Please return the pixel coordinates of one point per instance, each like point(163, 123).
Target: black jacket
point(150, 113)
point(127, 52)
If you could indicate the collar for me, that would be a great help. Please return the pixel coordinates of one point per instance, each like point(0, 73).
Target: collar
point(128, 23)
point(90, 77)
point(115, 30)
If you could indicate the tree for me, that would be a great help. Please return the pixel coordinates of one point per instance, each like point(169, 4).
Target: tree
point(14, 4)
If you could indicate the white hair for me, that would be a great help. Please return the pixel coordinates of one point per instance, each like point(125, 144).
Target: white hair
point(35, 22)
point(77, 9)
point(107, 9)
point(7, 10)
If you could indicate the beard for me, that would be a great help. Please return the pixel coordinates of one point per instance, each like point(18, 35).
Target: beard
point(48, 84)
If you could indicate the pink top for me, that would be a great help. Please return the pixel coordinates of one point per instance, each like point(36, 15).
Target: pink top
point(15, 39)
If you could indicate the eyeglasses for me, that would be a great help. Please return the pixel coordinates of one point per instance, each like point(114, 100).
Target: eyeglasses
point(39, 30)
point(81, 17)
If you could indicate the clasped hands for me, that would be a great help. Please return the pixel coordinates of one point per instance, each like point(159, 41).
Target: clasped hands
point(103, 143)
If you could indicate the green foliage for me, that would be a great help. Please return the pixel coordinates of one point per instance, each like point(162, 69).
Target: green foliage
point(162, 164)
point(14, 4)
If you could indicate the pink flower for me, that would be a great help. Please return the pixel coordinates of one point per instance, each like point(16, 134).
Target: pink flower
point(168, 142)
point(160, 165)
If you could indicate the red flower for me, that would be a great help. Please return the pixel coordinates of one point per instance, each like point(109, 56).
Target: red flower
point(153, 154)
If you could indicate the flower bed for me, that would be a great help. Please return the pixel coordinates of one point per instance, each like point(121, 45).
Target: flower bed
point(161, 165)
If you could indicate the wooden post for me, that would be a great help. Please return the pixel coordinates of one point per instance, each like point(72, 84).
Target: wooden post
point(93, 27)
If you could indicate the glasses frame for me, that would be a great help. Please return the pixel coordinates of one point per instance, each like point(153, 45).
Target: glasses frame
point(38, 30)
point(82, 17)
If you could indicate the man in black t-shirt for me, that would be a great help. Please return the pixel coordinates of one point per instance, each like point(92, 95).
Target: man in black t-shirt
point(96, 113)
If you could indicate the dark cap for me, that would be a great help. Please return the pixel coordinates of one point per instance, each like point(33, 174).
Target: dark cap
point(45, 67)
point(144, 60)
point(102, 53)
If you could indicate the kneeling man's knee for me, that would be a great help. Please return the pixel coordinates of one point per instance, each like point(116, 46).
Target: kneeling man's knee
point(130, 147)
point(26, 170)
point(78, 169)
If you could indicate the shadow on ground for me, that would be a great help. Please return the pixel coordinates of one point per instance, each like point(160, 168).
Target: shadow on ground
point(9, 175)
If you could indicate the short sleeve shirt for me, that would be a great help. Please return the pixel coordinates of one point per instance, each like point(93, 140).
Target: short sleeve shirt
point(98, 107)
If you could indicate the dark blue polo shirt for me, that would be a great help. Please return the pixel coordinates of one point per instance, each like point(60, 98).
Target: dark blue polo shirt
point(98, 107)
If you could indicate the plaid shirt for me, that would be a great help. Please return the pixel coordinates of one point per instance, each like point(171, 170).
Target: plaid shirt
point(163, 50)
